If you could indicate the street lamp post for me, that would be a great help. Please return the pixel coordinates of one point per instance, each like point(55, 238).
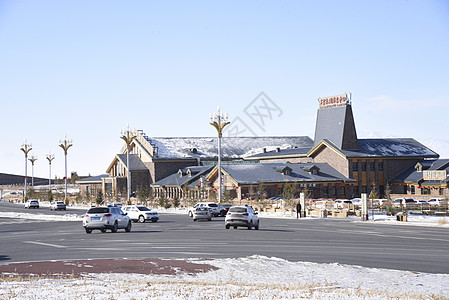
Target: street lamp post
point(65, 144)
point(128, 136)
point(26, 148)
point(219, 121)
point(33, 158)
point(50, 158)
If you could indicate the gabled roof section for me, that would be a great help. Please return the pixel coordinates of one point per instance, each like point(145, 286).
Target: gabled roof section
point(134, 161)
point(232, 147)
point(413, 175)
point(267, 173)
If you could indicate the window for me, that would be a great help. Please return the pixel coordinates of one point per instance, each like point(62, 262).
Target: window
point(412, 189)
point(363, 187)
point(405, 190)
point(441, 191)
point(355, 166)
point(371, 166)
point(381, 189)
point(425, 191)
point(363, 166)
point(380, 165)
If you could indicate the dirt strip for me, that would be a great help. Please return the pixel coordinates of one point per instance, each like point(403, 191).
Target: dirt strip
point(76, 268)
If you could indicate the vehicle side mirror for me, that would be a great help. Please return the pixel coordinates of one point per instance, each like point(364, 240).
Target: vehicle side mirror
point(256, 213)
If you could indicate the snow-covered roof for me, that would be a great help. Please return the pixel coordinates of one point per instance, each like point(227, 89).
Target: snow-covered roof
point(232, 147)
point(391, 147)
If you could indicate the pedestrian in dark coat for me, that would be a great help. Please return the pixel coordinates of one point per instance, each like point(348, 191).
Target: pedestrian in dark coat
point(298, 210)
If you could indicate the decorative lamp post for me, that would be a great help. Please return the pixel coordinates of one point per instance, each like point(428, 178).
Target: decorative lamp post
point(50, 158)
point(65, 145)
point(219, 121)
point(26, 148)
point(128, 136)
point(33, 158)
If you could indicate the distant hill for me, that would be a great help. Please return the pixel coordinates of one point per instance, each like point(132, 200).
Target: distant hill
point(10, 179)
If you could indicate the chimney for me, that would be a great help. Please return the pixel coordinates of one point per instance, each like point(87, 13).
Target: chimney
point(264, 150)
point(278, 149)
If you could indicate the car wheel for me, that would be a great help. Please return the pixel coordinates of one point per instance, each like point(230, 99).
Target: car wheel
point(103, 230)
point(227, 226)
point(210, 219)
point(257, 226)
point(128, 227)
point(88, 230)
point(235, 227)
point(141, 219)
point(115, 227)
point(250, 225)
point(194, 220)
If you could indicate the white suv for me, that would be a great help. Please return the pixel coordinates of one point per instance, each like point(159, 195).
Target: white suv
point(32, 203)
point(242, 216)
point(140, 213)
point(212, 206)
point(103, 218)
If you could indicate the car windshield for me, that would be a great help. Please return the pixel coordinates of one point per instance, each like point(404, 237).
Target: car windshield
point(98, 210)
point(143, 208)
point(202, 209)
point(237, 209)
point(213, 205)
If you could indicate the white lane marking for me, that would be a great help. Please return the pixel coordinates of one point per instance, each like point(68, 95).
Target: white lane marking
point(45, 244)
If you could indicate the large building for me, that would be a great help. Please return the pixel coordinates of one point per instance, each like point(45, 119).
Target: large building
point(363, 165)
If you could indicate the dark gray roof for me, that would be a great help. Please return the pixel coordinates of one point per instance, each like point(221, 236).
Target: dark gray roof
point(337, 125)
point(232, 147)
point(93, 178)
point(281, 153)
point(135, 162)
point(412, 174)
point(268, 173)
point(177, 180)
point(391, 147)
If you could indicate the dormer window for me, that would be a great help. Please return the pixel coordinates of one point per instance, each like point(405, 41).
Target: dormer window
point(284, 170)
point(180, 173)
point(313, 169)
point(418, 167)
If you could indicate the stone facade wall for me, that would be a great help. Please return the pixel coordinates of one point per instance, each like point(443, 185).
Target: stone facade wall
point(138, 179)
point(329, 156)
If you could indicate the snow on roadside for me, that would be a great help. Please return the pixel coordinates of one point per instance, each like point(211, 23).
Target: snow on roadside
point(42, 217)
point(254, 277)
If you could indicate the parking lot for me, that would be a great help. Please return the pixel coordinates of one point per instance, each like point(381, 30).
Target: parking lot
point(177, 236)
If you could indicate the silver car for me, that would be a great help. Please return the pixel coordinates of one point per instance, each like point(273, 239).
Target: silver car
point(103, 218)
point(58, 205)
point(242, 216)
point(202, 213)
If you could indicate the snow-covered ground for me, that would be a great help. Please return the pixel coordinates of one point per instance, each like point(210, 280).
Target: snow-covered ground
point(254, 277)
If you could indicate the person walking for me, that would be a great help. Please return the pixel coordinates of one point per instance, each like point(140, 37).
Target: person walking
point(298, 209)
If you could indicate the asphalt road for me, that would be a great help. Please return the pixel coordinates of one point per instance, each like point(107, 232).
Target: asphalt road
point(413, 248)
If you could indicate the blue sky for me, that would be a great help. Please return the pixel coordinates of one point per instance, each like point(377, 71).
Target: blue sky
point(86, 69)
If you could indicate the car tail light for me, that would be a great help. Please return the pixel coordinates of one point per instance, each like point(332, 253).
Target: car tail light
point(245, 214)
point(108, 215)
point(86, 216)
point(228, 214)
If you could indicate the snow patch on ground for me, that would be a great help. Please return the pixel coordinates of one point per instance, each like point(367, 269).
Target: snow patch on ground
point(254, 277)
